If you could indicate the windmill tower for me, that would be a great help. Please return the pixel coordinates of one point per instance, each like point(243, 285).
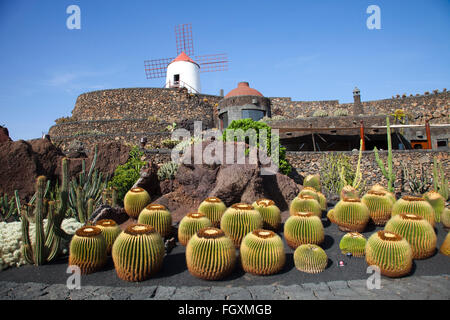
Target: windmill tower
point(183, 71)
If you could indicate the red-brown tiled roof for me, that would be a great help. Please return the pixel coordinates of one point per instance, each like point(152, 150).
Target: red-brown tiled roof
point(243, 89)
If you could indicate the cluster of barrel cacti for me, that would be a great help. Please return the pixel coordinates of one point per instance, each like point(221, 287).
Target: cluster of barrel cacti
point(350, 215)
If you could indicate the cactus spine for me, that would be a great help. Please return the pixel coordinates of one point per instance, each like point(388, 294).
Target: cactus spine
point(190, 225)
point(445, 247)
point(110, 231)
point(262, 252)
point(351, 215)
point(210, 254)
point(88, 249)
point(270, 213)
point(354, 243)
point(312, 181)
point(310, 258)
point(305, 203)
point(379, 205)
point(389, 174)
point(390, 252)
point(437, 202)
point(302, 228)
point(414, 205)
point(135, 201)
point(138, 253)
point(238, 220)
point(417, 231)
point(157, 216)
point(213, 208)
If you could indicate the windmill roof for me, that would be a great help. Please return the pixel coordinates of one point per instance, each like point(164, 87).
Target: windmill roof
point(243, 89)
point(184, 57)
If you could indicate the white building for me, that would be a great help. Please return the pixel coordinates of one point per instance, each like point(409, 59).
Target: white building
point(183, 72)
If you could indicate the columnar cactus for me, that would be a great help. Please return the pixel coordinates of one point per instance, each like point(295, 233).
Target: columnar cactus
point(379, 205)
point(305, 203)
point(354, 243)
point(238, 220)
point(414, 205)
point(190, 225)
point(312, 181)
point(270, 213)
point(390, 252)
point(138, 253)
point(417, 231)
point(350, 215)
point(210, 254)
point(213, 208)
point(88, 249)
point(310, 258)
point(445, 247)
point(135, 201)
point(302, 228)
point(262, 252)
point(157, 216)
point(437, 202)
point(110, 230)
point(349, 192)
point(445, 219)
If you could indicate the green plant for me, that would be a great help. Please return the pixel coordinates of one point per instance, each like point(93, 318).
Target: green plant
point(445, 247)
point(303, 227)
point(210, 254)
point(417, 231)
point(349, 192)
point(110, 231)
point(270, 213)
point(336, 171)
point(88, 249)
point(167, 171)
point(135, 201)
point(445, 218)
point(169, 143)
point(312, 181)
point(87, 187)
point(414, 205)
point(319, 196)
point(389, 252)
point(388, 174)
point(305, 203)
point(238, 220)
point(322, 201)
point(127, 174)
point(439, 180)
point(417, 181)
point(320, 113)
point(262, 252)
point(190, 225)
point(157, 216)
point(47, 240)
point(351, 215)
point(213, 208)
point(341, 113)
point(171, 127)
point(354, 243)
point(246, 124)
point(8, 209)
point(310, 258)
point(380, 188)
point(109, 196)
point(138, 253)
point(379, 205)
point(437, 202)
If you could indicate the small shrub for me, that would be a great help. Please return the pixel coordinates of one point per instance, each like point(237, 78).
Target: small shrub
point(167, 171)
point(341, 113)
point(169, 143)
point(320, 113)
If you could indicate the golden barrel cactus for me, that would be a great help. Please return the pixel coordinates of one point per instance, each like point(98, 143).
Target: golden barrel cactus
point(262, 252)
point(349, 192)
point(437, 202)
point(445, 219)
point(270, 213)
point(110, 231)
point(350, 215)
point(88, 249)
point(138, 253)
point(190, 225)
point(445, 247)
point(390, 252)
point(302, 228)
point(134, 201)
point(354, 243)
point(310, 258)
point(414, 205)
point(312, 181)
point(238, 220)
point(379, 205)
point(305, 203)
point(213, 208)
point(210, 254)
point(417, 231)
point(157, 216)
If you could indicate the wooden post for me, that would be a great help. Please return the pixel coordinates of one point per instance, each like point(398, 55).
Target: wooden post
point(361, 134)
point(428, 131)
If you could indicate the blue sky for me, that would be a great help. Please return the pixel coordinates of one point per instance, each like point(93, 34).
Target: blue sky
point(307, 50)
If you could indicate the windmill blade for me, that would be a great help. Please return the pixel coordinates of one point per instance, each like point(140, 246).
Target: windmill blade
point(156, 68)
point(183, 34)
point(212, 62)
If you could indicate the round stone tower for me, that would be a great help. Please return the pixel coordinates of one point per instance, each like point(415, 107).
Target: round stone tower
point(183, 72)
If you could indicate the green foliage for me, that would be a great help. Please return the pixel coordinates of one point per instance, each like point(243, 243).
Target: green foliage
point(246, 124)
point(340, 113)
point(8, 208)
point(417, 181)
point(167, 171)
point(439, 180)
point(320, 113)
point(126, 175)
point(336, 171)
point(388, 174)
point(169, 143)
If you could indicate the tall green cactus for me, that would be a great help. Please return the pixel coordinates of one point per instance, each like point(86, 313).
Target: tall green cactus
point(7, 208)
point(47, 240)
point(439, 180)
point(389, 175)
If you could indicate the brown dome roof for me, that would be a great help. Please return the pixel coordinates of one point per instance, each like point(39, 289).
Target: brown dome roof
point(243, 89)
